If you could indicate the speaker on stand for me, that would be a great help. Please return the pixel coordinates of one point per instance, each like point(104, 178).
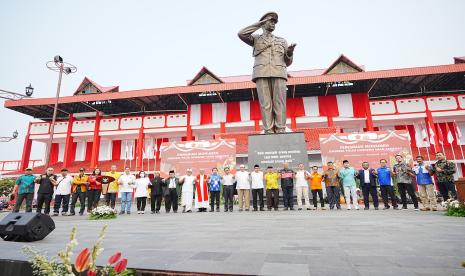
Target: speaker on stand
point(25, 227)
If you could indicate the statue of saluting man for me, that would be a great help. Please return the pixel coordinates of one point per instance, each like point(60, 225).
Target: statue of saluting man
point(272, 56)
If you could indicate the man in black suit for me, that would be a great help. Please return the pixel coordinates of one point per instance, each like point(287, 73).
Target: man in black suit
point(171, 190)
point(156, 192)
point(368, 184)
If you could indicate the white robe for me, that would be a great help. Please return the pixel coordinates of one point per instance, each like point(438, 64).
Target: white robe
point(187, 193)
point(200, 187)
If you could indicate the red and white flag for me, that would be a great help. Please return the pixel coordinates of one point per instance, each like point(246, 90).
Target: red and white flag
point(423, 133)
point(431, 135)
point(440, 136)
point(450, 137)
point(458, 133)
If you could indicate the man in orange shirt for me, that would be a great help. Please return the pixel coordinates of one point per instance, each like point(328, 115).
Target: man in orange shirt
point(316, 187)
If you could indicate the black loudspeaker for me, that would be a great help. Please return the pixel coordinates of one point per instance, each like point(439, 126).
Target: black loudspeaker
point(26, 227)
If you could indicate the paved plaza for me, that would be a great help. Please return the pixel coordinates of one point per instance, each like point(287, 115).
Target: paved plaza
point(384, 242)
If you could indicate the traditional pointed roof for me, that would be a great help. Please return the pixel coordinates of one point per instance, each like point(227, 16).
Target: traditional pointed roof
point(344, 64)
point(99, 89)
point(459, 60)
point(204, 76)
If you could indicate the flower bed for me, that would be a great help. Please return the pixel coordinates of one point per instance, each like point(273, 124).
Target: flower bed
point(454, 208)
point(103, 212)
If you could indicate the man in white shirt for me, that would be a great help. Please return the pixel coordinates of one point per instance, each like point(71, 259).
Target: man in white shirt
point(301, 184)
point(257, 188)
point(243, 188)
point(62, 193)
point(126, 183)
point(228, 180)
point(187, 194)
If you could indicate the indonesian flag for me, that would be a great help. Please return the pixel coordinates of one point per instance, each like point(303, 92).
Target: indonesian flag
point(458, 133)
point(450, 137)
point(431, 135)
point(408, 133)
point(423, 133)
point(440, 136)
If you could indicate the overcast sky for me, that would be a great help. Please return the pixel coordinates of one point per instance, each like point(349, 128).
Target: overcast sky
point(147, 44)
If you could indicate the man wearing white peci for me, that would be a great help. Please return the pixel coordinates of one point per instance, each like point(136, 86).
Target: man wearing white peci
point(347, 175)
point(301, 185)
point(187, 194)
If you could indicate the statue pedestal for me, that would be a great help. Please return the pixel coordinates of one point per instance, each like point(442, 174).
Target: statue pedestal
point(276, 149)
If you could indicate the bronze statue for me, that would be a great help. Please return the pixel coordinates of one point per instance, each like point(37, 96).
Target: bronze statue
point(272, 56)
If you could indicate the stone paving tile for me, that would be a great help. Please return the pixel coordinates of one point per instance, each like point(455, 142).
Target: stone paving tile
point(284, 269)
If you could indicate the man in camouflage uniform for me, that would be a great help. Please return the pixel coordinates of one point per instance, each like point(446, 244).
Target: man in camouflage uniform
point(404, 174)
point(445, 171)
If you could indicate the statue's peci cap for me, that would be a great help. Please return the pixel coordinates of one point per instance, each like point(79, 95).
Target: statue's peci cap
point(270, 15)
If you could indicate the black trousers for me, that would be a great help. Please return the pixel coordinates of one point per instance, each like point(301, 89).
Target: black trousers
point(215, 199)
point(288, 196)
point(19, 201)
point(228, 196)
point(320, 194)
point(272, 198)
point(407, 187)
point(388, 190)
point(257, 193)
point(155, 200)
point(367, 189)
point(171, 200)
point(59, 200)
point(82, 201)
point(445, 188)
point(333, 194)
point(93, 197)
point(141, 201)
point(41, 199)
point(110, 200)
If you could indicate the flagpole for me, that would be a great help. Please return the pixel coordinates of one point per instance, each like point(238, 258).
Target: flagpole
point(410, 139)
point(125, 153)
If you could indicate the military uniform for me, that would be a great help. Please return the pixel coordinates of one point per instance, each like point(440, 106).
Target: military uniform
point(445, 178)
point(269, 74)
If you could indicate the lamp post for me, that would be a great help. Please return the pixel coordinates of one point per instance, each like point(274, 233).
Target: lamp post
point(8, 139)
point(8, 95)
point(61, 67)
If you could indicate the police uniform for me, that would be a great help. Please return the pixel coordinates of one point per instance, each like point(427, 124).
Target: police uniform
point(269, 73)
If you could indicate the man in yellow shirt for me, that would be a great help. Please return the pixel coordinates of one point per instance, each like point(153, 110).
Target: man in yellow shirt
point(78, 190)
point(316, 187)
point(110, 196)
point(272, 192)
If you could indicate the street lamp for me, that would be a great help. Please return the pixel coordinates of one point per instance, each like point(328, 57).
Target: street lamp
point(61, 67)
point(8, 95)
point(8, 139)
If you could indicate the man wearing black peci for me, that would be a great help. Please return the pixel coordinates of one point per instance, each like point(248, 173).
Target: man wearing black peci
point(156, 193)
point(46, 182)
point(170, 192)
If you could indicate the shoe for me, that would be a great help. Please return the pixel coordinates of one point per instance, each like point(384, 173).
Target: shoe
point(323, 208)
point(276, 209)
point(72, 214)
point(152, 212)
point(435, 209)
point(55, 214)
point(247, 209)
point(349, 208)
point(157, 211)
point(240, 210)
point(64, 214)
point(386, 207)
point(211, 210)
point(366, 208)
point(225, 210)
point(138, 212)
point(300, 209)
point(376, 208)
point(292, 209)
point(308, 209)
point(404, 207)
point(254, 210)
point(416, 209)
point(128, 212)
point(396, 208)
point(143, 212)
point(189, 211)
point(338, 208)
point(231, 210)
point(425, 209)
point(121, 213)
point(81, 214)
point(357, 208)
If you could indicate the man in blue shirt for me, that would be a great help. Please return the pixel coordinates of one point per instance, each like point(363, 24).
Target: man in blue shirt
point(385, 184)
point(347, 175)
point(25, 191)
point(214, 181)
point(425, 184)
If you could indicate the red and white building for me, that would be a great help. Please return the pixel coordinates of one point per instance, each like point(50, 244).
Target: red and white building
point(100, 126)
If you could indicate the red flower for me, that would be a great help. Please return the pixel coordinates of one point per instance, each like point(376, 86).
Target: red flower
point(82, 260)
point(114, 258)
point(91, 273)
point(121, 265)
